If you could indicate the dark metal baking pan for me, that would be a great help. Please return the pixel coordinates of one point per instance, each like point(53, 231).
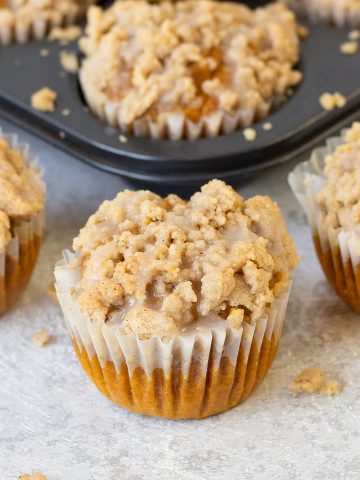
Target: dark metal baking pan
point(297, 124)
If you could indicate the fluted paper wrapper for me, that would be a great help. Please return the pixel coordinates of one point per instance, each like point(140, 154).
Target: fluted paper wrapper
point(191, 375)
point(23, 28)
point(345, 14)
point(338, 249)
point(173, 126)
point(19, 257)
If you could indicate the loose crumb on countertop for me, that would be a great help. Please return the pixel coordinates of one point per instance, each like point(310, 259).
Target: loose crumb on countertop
point(40, 339)
point(349, 48)
point(163, 264)
point(44, 100)
point(44, 52)
point(312, 380)
point(69, 61)
point(33, 476)
point(68, 33)
point(303, 31)
point(249, 134)
point(122, 139)
point(65, 112)
point(329, 101)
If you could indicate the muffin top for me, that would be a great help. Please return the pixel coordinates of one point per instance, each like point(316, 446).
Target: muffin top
point(22, 191)
point(157, 266)
point(193, 57)
point(339, 198)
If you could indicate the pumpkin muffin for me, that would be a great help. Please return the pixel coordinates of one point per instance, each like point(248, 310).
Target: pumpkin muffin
point(175, 308)
point(328, 187)
point(187, 69)
point(341, 13)
point(23, 20)
point(21, 218)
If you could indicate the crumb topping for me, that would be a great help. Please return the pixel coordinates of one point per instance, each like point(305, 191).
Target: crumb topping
point(192, 57)
point(69, 61)
point(40, 339)
point(339, 198)
point(329, 101)
point(312, 380)
point(44, 100)
point(22, 192)
point(159, 265)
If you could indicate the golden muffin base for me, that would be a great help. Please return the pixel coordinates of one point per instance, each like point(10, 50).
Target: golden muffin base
point(342, 276)
point(175, 397)
point(18, 272)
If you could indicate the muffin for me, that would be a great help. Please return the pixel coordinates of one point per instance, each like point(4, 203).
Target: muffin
point(187, 69)
point(21, 218)
point(175, 308)
point(328, 188)
point(22, 20)
point(341, 14)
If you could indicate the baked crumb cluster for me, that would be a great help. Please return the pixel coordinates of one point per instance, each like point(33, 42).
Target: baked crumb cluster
point(339, 198)
point(22, 193)
point(312, 380)
point(192, 58)
point(159, 265)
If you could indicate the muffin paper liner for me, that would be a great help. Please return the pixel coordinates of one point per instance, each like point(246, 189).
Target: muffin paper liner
point(338, 249)
point(191, 375)
point(342, 14)
point(18, 259)
point(173, 126)
point(22, 28)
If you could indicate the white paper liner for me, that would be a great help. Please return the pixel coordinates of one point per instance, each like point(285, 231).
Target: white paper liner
point(339, 244)
point(24, 231)
point(341, 13)
point(109, 344)
point(173, 126)
point(21, 28)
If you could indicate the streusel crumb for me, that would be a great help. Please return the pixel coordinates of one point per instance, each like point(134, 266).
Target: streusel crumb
point(159, 265)
point(312, 380)
point(69, 61)
point(44, 100)
point(329, 101)
point(339, 198)
point(67, 33)
point(250, 134)
point(349, 48)
point(40, 339)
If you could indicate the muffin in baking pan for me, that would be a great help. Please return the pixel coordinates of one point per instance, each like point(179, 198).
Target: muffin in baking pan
point(21, 218)
point(175, 308)
point(23, 20)
point(189, 69)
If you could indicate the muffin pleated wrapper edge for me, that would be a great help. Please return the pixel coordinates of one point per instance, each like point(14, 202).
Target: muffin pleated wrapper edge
point(21, 30)
point(338, 248)
point(108, 344)
point(341, 14)
point(168, 125)
point(18, 258)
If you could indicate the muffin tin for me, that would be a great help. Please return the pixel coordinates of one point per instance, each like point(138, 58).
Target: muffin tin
point(297, 124)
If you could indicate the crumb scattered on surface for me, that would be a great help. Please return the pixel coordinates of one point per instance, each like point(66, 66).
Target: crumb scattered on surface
point(349, 48)
point(267, 126)
point(249, 134)
point(44, 100)
point(40, 339)
point(329, 101)
point(68, 33)
point(62, 135)
point(69, 61)
point(303, 31)
point(44, 52)
point(312, 380)
point(65, 112)
point(122, 139)
point(33, 476)
point(354, 35)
